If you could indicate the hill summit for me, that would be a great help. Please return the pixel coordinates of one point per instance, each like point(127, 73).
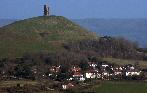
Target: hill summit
point(44, 33)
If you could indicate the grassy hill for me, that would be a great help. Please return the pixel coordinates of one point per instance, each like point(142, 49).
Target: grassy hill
point(44, 33)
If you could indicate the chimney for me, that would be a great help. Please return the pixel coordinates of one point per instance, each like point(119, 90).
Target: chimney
point(46, 10)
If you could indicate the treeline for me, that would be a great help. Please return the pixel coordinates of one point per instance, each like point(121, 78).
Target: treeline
point(75, 53)
point(26, 66)
point(107, 47)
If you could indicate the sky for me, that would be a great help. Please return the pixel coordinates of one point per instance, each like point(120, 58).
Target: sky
point(74, 9)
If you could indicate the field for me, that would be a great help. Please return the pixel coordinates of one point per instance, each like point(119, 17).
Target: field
point(14, 83)
point(103, 87)
point(120, 87)
point(143, 64)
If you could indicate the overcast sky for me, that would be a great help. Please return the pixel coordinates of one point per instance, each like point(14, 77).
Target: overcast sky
point(20, 9)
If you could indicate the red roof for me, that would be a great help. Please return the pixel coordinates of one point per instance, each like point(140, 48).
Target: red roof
point(76, 69)
point(77, 74)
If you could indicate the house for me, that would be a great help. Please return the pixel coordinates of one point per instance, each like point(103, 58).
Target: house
point(76, 69)
point(66, 86)
point(117, 74)
point(130, 70)
point(104, 65)
point(92, 64)
point(70, 79)
point(55, 69)
point(129, 67)
point(78, 76)
point(34, 69)
point(117, 70)
point(133, 73)
point(82, 79)
point(106, 75)
point(92, 74)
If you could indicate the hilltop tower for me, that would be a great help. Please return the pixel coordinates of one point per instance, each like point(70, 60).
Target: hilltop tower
point(46, 10)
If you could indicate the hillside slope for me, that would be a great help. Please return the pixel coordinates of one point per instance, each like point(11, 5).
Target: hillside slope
point(45, 33)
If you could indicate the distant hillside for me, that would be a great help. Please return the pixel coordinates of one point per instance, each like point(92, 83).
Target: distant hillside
point(133, 29)
point(45, 33)
point(4, 22)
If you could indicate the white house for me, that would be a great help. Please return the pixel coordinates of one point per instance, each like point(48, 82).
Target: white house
point(82, 79)
point(133, 73)
point(64, 87)
point(117, 72)
point(105, 75)
point(92, 64)
point(78, 76)
point(92, 74)
point(70, 79)
point(67, 86)
point(105, 65)
point(132, 68)
point(76, 69)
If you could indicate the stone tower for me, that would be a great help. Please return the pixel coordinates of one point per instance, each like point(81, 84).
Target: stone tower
point(46, 10)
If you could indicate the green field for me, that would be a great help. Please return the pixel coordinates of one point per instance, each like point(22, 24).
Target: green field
point(14, 83)
point(103, 87)
point(122, 62)
point(120, 87)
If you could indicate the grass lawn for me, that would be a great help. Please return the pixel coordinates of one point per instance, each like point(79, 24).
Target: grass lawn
point(103, 87)
point(14, 83)
point(143, 64)
point(120, 87)
point(50, 92)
